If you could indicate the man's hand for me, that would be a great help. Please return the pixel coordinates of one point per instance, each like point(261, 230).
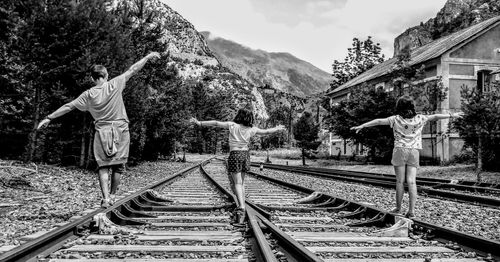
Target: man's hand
point(357, 128)
point(44, 122)
point(153, 55)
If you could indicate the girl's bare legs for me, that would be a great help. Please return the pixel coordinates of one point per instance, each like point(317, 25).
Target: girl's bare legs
point(400, 187)
point(243, 188)
point(239, 190)
point(411, 175)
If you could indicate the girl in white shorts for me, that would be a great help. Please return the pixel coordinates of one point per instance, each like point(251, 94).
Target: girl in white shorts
point(407, 127)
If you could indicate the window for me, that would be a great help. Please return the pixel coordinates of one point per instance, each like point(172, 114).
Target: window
point(483, 81)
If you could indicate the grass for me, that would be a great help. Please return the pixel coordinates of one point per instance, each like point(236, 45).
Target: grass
point(457, 172)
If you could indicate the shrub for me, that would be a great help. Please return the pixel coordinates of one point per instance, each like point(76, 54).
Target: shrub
point(480, 125)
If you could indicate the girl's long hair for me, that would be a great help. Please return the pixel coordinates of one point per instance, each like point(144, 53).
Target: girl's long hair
point(405, 107)
point(244, 117)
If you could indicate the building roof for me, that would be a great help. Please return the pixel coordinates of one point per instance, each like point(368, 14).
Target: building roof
point(422, 54)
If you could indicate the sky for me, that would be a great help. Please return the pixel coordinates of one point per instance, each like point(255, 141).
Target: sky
point(317, 31)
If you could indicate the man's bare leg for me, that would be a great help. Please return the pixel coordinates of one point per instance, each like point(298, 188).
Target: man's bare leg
point(104, 183)
point(115, 182)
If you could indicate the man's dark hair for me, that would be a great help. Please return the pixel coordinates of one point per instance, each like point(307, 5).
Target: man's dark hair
point(98, 71)
point(244, 117)
point(405, 107)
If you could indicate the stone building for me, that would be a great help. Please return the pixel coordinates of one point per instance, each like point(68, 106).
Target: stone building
point(468, 58)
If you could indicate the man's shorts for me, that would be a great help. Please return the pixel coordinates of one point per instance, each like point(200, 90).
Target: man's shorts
point(238, 162)
point(405, 157)
point(118, 168)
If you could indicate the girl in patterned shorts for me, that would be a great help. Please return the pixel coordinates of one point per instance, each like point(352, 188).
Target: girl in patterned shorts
point(241, 129)
point(407, 128)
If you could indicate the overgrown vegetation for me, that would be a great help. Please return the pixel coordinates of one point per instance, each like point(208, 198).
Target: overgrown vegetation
point(306, 133)
point(46, 48)
point(480, 125)
point(365, 104)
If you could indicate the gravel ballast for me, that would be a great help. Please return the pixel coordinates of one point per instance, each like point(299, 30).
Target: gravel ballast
point(471, 219)
point(53, 195)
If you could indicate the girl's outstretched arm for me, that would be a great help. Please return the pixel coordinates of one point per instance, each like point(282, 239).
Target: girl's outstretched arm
point(444, 116)
point(270, 130)
point(375, 122)
point(209, 123)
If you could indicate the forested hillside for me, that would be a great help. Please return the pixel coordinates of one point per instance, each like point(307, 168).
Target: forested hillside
point(46, 48)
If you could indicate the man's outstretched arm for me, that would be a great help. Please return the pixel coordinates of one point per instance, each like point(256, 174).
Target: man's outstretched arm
point(139, 65)
point(59, 112)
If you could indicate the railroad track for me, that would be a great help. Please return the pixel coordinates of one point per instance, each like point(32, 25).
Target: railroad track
point(340, 230)
point(181, 218)
point(186, 218)
point(482, 194)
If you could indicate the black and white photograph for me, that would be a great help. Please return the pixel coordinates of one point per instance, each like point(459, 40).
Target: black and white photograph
point(249, 130)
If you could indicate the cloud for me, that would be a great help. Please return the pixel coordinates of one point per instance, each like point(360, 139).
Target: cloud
point(294, 12)
point(317, 31)
point(212, 36)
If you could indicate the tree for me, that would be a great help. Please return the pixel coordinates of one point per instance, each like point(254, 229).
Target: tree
point(46, 49)
point(54, 42)
point(278, 115)
point(306, 133)
point(480, 125)
point(211, 104)
point(362, 56)
point(364, 104)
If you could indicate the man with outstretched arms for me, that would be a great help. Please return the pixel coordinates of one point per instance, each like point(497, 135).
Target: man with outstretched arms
point(104, 101)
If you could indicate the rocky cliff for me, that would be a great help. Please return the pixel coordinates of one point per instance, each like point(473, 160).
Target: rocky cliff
point(193, 58)
point(454, 16)
point(281, 71)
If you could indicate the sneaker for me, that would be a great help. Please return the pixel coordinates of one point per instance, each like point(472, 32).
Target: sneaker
point(396, 211)
point(239, 217)
point(410, 215)
point(112, 198)
point(105, 203)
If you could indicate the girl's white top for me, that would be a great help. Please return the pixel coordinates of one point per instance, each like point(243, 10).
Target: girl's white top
point(408, 131)
point(239, 136)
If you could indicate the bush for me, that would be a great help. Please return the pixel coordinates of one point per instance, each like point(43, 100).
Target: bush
point(365, 104)
point(465, 157)
point(480, 125)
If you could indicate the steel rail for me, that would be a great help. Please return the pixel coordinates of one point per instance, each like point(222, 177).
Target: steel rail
point(54, 239)
point(256, 216)
point(331, 202)
point(390, 183)
point(480, 245)
point(263, 250)
point(434, 182)
point(298, 251)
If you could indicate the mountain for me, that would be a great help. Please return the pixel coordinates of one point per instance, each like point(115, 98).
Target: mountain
point(454, 16)
point(281, 71)
point(193, 58)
